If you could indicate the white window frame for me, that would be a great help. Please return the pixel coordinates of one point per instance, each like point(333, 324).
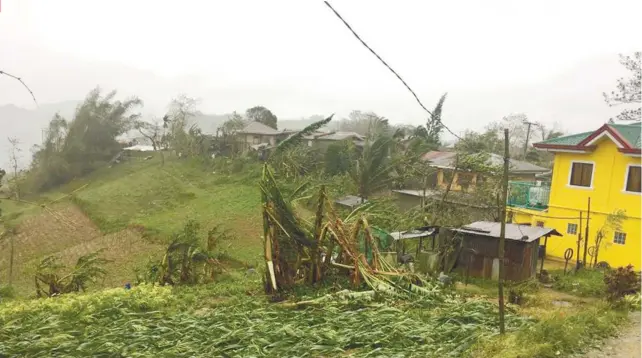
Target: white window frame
point(626, 179)
point(618, 243)
point(570, 174)
point(568, 226)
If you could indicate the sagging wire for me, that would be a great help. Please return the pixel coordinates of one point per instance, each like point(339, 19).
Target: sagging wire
point(23, 83)
point(393, 71)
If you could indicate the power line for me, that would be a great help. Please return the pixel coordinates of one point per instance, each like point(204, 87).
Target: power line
point(24, 84)
point(391, 70)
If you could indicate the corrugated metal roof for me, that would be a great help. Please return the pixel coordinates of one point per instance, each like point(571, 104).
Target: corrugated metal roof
point(413, 234)
point(630, 132)
point(342, 136)
point(350, 201)
point(259, 128)
point(416, 192)
point(513, 231)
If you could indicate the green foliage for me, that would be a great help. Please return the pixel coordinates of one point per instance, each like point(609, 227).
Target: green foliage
point(222, 320)
point(189, 259)
point(262, 115)
point(339, 158)
point(585, 282)
point(7, 293)
point(621, 282)
point(558, 335)
point(75, 148)
point(50, 281)
point(373, 169)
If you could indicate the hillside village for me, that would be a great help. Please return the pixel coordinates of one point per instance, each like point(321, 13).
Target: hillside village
point(359, 236)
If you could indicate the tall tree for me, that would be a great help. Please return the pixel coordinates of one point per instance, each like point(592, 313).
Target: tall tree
point(262, 115)
point(154, 132)
point(85, 143)
point(628, 90)
point(181, 110)
point(14, 155)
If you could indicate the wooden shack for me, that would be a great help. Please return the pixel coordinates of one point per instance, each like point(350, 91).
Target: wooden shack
point(480, 249)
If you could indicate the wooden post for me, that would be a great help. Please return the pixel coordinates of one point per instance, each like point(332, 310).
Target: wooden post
point(579, 241)
point(586, 232)
point(502, 234)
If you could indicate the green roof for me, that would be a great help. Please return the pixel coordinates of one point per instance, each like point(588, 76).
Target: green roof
point(573, 139)
point(630, 132)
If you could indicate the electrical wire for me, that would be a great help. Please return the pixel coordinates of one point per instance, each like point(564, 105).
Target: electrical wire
point(23, 83)
point(391, 70)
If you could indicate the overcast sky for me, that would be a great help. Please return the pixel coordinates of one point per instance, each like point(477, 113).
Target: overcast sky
point(296, 58)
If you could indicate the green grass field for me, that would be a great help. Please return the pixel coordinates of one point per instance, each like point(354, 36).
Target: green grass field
point(131, 210)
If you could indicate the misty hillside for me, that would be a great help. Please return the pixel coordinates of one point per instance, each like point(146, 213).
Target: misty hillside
point(28, 124)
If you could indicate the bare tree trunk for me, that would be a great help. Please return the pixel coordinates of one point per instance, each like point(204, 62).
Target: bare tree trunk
point(13, 157)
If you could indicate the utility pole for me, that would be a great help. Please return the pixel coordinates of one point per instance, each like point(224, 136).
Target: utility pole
point(528, 134)
point(502, 234)
point(586, 232)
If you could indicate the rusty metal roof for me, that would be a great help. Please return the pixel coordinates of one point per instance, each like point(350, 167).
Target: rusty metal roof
point(516, 232)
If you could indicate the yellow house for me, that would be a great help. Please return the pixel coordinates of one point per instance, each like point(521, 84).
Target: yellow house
point(444, 165)
point(601, 167)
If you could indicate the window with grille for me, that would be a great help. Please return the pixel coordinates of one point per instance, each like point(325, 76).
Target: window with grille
point(540, 224)
point(571, 229)
point(619, 238)
point(633, 183)
point(581, 174)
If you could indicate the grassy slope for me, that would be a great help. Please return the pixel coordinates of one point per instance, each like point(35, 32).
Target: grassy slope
point(144, 196)
point(117, 205)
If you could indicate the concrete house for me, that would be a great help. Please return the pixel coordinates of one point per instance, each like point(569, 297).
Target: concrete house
point(321, 140)
point(257, 135)
point(444, 163)
point(601, 166)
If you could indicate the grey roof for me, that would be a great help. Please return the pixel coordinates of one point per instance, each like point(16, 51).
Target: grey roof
point(413, 234)
point(447, 160)
point(259, 128)
point(350, 201)
point(524, 233)
point(336, 136)
point(416, 192)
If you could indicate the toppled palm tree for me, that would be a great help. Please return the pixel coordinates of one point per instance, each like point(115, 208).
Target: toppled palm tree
point(50, 282)
point(298, 251)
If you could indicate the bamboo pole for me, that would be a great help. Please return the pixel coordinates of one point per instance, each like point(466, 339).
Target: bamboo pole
point(502, 234)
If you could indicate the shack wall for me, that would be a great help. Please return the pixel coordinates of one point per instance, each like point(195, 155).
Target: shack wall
point(520, 258)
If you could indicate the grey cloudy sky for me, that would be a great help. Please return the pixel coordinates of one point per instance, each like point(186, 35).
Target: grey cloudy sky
point(550, 59)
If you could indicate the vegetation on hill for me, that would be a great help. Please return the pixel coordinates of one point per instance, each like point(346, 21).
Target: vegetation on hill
point(185, 242)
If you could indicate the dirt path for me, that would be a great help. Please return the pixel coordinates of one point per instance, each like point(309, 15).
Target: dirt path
point(626, 345)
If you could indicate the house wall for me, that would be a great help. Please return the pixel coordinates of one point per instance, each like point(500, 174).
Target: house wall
point(520, 258)
point(566, 203)
point(251, 139)
point(407, 202)
point(443, 180)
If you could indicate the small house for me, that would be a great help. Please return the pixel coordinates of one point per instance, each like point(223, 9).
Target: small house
point(256, 134)
point(480, 249)
point(444, 164)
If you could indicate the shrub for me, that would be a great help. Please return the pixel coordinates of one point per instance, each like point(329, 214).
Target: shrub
point(621, 282)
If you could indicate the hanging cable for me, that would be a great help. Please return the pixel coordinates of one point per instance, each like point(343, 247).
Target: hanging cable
point(23, 83)
point(391, 70)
